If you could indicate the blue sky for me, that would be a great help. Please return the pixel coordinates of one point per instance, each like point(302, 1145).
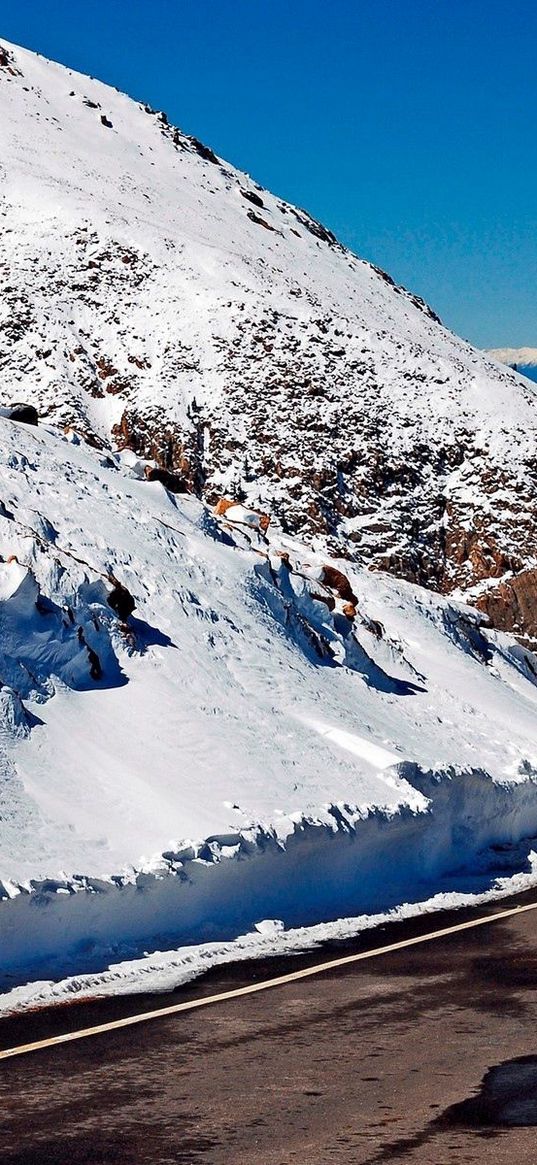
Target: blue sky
point(408, 126)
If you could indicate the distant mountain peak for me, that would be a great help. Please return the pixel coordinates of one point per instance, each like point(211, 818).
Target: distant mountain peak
point(525, 357)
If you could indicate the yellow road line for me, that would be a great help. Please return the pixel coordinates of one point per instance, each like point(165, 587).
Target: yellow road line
point(253, 988)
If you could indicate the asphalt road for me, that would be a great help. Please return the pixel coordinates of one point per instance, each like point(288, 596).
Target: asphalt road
point(427, 1054)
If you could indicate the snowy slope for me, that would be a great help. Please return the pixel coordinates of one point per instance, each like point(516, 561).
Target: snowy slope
point(237, 749)
point(258, 739)
point(153, 292)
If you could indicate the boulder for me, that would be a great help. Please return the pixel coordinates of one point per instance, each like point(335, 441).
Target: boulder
point(375, 627)
point(338, 582)
point(172, 481)
point(252, 197)
point(349, 610)
point(25, 414)
point(120, 600)
point(222, 506)
point(261, 222)
point(236, 512)
point(204, 151)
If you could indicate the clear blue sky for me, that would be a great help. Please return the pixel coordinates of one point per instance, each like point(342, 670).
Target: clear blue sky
point(408, 126)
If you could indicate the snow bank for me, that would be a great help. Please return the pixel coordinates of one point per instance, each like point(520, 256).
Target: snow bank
point(164, 971)
point(267, 736)
point(345, 864)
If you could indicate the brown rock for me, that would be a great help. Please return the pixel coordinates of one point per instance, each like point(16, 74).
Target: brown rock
point(222, 505)
point(337, 581)
point(512, 606)
point(164, 444)
point(225, 504)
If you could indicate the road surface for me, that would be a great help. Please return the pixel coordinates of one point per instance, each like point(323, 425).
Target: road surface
point(426, 1054)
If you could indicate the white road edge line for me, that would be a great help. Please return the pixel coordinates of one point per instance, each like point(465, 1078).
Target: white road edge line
point(252, 988)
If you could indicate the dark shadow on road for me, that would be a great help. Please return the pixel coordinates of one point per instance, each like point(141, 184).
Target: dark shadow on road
point(507, 1098)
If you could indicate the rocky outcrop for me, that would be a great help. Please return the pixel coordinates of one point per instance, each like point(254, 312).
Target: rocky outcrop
point(171, 481)
point(251, 196)
point(235, 512)
point(338, 582)
point(176, 450)
point(512, 606)
point(23, 413)
point(120, 600)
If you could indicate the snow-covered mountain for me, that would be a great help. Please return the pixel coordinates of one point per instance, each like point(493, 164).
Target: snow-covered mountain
point(523, 360)
point(524, 356)
point(207, 717)
point(152, 293)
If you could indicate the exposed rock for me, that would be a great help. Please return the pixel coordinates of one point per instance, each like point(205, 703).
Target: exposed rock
point(120, 600)
point(261, 222)
point(251, 196)
point(512, 606)
point(314, 227)
point(25, 414)
point(170, 446)
point(7, 61)
point(295, 375)
point(172, 481)
point(236, 512)
point(338, 582)
point(96, 671)
point(204, 151)
point(76, 435)
point(223, 505)
point(375, 627)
